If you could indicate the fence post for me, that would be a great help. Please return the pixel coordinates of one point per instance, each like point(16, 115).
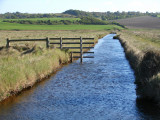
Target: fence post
point(7, 45)
point(81, 50)
point(47, 42)
point(71, 57)
point(60, 42)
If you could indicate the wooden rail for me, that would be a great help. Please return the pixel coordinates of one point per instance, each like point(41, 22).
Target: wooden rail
point(30, 40)
point(63, 41)
point(60, 42)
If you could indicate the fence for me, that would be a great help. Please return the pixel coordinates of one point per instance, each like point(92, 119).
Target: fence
point(61, 42)
point(23, 40)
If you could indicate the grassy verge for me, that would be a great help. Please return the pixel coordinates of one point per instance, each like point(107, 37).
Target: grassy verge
point(24, 64)
point(142, 48)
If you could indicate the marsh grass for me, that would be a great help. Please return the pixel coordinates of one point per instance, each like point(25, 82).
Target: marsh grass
point(24, 64)
point(142, 48)
point(18, 72)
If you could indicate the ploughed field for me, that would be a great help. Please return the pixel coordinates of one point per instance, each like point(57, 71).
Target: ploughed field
point(144, 22)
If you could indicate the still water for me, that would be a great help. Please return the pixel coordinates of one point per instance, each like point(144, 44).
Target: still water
point(99, 89)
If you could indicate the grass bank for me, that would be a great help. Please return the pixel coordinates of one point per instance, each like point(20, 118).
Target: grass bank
point(24, 64)
point(142, 48)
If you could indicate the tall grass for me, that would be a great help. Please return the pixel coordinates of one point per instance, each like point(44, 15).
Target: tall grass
point(142, 50)
point(23, 64)
point(18, 72)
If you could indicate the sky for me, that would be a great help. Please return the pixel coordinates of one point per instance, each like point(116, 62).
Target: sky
point(59, 6)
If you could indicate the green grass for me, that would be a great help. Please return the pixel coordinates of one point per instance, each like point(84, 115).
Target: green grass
point(16, 26)
point(158, 16)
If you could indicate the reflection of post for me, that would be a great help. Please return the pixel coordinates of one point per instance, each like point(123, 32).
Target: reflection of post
point(60, 43)
point(7, 43)
point(71, 57)
point(81, 49)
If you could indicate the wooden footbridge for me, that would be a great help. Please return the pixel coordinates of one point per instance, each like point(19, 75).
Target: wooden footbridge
point(82, 45)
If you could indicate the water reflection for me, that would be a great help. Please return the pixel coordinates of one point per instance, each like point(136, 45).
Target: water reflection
point(148, 109)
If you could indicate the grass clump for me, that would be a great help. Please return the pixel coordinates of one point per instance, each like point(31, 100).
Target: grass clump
point(20, 71)
point(143, 53)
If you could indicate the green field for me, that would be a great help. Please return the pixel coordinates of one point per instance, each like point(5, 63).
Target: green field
point(158, 16)
point(16, 26)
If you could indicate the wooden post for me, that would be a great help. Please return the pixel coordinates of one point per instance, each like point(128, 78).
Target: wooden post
point(7, 45)
point(71, 57)
point(60, 42)
point(47, 42)
point(81, 50)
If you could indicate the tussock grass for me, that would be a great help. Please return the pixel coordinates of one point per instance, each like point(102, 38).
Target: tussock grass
point(142, 48)
point(24, 64)
point(18, 72)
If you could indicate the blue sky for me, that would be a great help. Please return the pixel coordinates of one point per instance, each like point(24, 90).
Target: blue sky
point(58, 6)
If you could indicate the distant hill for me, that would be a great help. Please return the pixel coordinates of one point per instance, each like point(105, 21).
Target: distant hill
point(78, 14)
point(147, 22)
point(108, 15)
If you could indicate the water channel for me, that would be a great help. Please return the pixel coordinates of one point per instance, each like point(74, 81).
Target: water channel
point(99, 89)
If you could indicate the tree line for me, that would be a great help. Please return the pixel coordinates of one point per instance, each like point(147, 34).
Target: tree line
point(83, 21)
point(18, 15)
point(77, 13)
point(109, 15)
point(43, 22)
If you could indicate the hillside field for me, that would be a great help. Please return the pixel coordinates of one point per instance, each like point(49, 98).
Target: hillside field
point(144, 22)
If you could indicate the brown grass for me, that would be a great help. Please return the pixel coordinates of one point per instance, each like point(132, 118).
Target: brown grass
point(143, 52)
point(24, 64)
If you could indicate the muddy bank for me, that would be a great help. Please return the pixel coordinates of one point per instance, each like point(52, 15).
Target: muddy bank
point(147, 70)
